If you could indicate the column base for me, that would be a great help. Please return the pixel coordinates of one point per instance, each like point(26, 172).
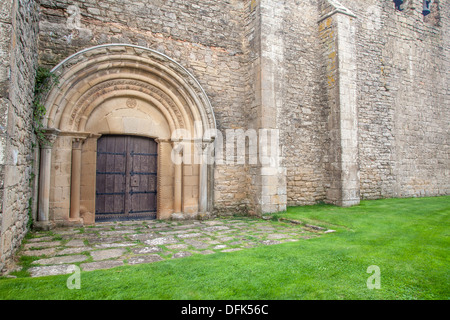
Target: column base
point(43, 225)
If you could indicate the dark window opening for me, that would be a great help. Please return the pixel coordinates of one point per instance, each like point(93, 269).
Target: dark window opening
point(430, 9)
point(426, 7)
point(399, 4)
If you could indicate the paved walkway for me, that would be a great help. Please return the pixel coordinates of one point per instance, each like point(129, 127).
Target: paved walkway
point(108, 245)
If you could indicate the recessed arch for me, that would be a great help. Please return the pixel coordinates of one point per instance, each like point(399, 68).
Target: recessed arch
point(95, 68)
point(123, 89)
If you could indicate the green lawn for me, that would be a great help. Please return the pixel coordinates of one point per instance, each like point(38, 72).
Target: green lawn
point(408, 239)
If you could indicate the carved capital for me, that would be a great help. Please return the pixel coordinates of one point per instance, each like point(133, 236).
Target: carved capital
point(50, 136)
point(178, 147)
point(77, 143)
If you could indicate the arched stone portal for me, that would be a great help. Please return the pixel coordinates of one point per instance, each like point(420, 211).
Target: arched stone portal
point(123, 90)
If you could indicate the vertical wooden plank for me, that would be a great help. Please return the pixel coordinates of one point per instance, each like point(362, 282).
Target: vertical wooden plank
point(119, 180)
point(128, 167)
point(100, 183)
point(143, 178)
point(109, 178)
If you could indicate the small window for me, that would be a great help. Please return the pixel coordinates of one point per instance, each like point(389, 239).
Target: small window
point(402, 5)
point(399, 5)
point(426, 7)
point(431, 12)
point(430, 9)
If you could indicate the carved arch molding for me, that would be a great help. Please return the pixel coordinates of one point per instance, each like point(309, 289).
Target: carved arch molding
point(122, 89)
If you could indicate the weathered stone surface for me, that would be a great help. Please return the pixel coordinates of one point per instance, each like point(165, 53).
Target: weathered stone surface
point(166, 246)
point(61, 260)
point(115, 233)
point(215, 228)
point(196, 244)
point(19, 24)
point(107, 254)
point(38, 253)
point(146, 250)
point(144, 259)
point(225, 239)
point(75, 243)
point(76, 250)
point(36, 245)
point(142, 236)
point(206, 252)
point(190, 235)
point(114, 245)
point(270, 242)
point(41, 239)
point(66, 231)
point(91, 266)
point(276, 236)
point(161, 241)
point(49, 270)
point(183, 254)
point(99, 240)
point(177, 247)
point(232, 250)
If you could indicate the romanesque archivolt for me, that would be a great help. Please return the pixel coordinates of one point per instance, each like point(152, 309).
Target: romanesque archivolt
point(101, 71)
point(93, 96)
point(124, 91)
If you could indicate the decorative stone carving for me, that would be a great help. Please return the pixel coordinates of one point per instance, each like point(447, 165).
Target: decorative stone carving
point(131, 103)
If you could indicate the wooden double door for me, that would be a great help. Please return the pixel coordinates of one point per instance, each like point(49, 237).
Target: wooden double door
point(126, 179)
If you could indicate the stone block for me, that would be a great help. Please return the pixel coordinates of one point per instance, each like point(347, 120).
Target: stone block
point(50, 270)
point(91, 266)
point(144, 259)
point(107, 254)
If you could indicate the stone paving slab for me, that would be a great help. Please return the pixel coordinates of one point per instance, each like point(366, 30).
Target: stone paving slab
point(45, 244)
point(107, 254)
point(61, 260)
point(49, 270)
point(38, 253)
point(145, 259)
point(145, 250)
point(183, 254)
point(91, 266)
point(113, 244)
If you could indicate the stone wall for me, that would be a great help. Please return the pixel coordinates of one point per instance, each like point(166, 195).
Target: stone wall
point(18, 47)
point(238, 48)
point(403, 98)
point(305, 111)
point(204, 36)
point(264, 65)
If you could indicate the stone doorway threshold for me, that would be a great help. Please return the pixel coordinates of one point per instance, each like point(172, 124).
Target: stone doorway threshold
point(113, 244)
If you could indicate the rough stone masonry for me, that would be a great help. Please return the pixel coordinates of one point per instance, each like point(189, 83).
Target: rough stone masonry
point(357, 91)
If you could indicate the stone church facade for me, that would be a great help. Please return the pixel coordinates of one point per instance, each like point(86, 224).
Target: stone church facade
point(176, 109)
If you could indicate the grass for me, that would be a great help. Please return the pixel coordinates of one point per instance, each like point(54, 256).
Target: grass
point(408, 239)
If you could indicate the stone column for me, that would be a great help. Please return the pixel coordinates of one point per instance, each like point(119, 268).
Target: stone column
point(203, 179)
point(44, 178)
point(178, 183)
point(337, 34)
point(75, 180)
point(269, 176)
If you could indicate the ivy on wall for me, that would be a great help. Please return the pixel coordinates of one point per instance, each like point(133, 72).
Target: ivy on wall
point(44, 81)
